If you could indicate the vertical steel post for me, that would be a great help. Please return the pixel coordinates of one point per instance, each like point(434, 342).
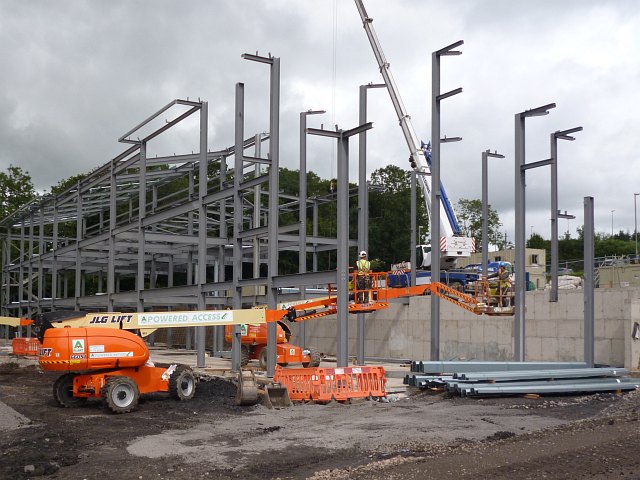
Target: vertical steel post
point(30, 271)
point(54, 256)
point(302, 218)
point(202, 230)
point(169, 336)
point(589, 251)
point(314, 256)
point(237, 224)
point(555, 213)
point(302, 212)
point(41, 277)
point(363, 206)
point(142, 210)
point(78, 269)
point(188, 335)
point(343, 250)
point(111, 268)
point(257, 205)
point(435, 203)
point(7, 289)
point(485, 209)
point(520, 222)
point(436, 191)
point(21, 275)
point(485, 214)
point(5, 279)
point(363, 214)
point(342, 214)
point(635, 223)
point(219, 331)
point(520, 287)
point(274, 199)
point(553, 292)
point(274, 195)
point(413, 257)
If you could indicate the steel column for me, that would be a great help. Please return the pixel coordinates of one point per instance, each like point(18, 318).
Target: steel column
point(342, 221)
point(142, 211)
point(520, 219)
point(78, 268)
point(302, 212)
point(589, 283)
point(414, 212)
point(202, 230)
point(30, 271)
point(274, 214)
point(342, 262)
point(363, 205)
point(111, 269)
point(237, 225)
point(485, 209)
point(435, 203)
point(555, 213)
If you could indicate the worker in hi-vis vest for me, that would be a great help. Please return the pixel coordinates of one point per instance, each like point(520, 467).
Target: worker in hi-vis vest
point(363, 277)
point(504, 285)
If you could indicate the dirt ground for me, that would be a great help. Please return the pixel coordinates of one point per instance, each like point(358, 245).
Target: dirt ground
point(422, 436)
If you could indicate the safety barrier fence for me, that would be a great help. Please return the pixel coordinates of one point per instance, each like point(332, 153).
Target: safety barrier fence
point(25, 346)
point(325, 384)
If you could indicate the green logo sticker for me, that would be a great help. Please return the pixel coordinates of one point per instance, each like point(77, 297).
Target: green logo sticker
point(77, 345)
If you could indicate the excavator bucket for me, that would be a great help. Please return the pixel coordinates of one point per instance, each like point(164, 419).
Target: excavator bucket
point(276, 396)
point(247, 392)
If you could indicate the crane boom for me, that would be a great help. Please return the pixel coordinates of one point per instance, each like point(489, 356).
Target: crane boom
point(449, 224)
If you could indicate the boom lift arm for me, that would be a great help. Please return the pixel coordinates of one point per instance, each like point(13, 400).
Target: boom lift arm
point(420, 153)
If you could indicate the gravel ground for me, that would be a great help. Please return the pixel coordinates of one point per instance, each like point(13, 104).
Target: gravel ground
point(422, 436)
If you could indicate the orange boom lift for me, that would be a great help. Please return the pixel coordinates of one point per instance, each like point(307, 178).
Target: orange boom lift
point(106, 363)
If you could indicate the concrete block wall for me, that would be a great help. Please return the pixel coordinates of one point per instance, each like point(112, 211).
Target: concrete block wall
point(553, 331)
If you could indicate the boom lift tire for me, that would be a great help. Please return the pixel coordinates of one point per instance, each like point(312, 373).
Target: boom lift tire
point(182, 383)
point(245, 354)
point(315, 359)
point(120, 394)
point(262, 358)
point(63, 392)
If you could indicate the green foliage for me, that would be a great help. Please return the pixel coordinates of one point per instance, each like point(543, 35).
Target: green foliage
point(469, 213)
point(613, 246)
point(16, 189)
point(390, 216)
point(536, 241)
point(67, 183)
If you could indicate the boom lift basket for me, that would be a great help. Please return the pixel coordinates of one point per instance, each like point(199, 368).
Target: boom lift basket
point(325, 384)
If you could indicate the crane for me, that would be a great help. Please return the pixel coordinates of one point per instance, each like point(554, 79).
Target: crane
point(452, 244)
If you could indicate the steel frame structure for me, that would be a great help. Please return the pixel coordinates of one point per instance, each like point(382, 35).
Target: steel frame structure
point(147, 234)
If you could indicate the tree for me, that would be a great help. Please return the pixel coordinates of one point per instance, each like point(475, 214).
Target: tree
point(390, 215)
point(536, 241)
point(16, 189)
point(470, 216)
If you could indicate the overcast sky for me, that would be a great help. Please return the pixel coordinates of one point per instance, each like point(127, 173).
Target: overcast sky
point(78, 74)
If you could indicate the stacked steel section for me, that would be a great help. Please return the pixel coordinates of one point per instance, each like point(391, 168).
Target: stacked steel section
point(517, 378)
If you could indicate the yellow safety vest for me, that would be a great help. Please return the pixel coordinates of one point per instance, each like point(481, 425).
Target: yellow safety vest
point(363, 266)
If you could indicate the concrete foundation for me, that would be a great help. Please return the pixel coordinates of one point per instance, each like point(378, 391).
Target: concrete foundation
point(554, 331)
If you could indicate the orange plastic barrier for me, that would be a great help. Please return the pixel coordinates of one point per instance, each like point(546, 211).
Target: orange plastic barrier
point(326, 384)
point(25, 346)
